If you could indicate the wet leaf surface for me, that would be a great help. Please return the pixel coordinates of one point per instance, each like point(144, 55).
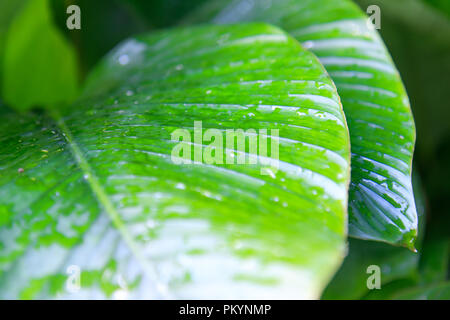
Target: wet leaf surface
point(93, 191)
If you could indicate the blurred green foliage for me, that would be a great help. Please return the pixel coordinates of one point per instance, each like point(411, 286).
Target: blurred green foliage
point(104, 23)
point(8, 10)
point(39, 65)
point(442, 5)
point(107, 22)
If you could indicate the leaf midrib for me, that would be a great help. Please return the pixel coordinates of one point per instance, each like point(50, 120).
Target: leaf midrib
point(104, 200)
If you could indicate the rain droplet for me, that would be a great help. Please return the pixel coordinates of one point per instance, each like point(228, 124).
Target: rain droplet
point(238, 245)
point(151, 224)
point(124, 59)
point(120, 294)
point(180, 186)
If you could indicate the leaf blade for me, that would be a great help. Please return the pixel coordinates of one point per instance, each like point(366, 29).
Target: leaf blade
point(204, 227)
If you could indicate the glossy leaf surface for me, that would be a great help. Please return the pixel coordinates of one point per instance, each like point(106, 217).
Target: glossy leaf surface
point(422, 58)
point(95, 193)
point(381, 201)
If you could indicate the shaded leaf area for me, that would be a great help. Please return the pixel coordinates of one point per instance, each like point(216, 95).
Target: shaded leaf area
point(8, 10)
point(163, 13)
point(435, 292)
point(97, 188)
point(350, 282)
point(434, 263)
point(441, 5)
point(104, 23)
point(381, 201)
point(430, 272)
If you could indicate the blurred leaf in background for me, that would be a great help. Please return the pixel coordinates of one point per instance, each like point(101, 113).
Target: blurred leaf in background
point(442, 5)
point(351, 280)
point(435, 292)
point(104, 23)
point(164, 13)
point(40, 67)
point(434, 261)
point(8, 10)
point(107, 22)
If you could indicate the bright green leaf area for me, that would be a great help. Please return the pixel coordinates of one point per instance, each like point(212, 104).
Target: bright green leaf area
point(39, 65)
point(95, 187)
point(382, 133)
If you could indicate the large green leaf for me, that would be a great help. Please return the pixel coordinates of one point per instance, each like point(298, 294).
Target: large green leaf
point(418, 36)
point(39, 65)
point(381, 201)
point(96, 187)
